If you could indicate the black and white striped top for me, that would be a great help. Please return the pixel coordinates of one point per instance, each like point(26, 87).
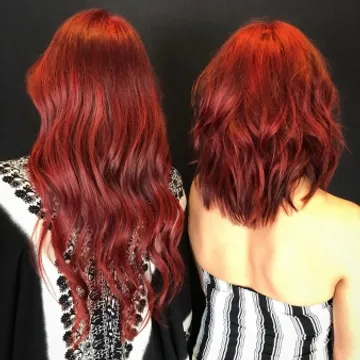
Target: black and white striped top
point(239, 323)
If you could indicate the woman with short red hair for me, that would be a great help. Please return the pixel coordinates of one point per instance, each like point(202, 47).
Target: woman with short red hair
point(278, 256)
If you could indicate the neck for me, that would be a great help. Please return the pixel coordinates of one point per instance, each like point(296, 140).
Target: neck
point(301, 189)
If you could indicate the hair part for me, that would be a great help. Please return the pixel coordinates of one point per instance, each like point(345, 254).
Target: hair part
point(101, 162)
point(266, 116)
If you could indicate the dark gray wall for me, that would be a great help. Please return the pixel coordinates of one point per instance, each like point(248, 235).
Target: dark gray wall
point(181, 36)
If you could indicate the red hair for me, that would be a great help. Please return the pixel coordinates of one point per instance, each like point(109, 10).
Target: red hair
point(101, 162)
point(265, 117)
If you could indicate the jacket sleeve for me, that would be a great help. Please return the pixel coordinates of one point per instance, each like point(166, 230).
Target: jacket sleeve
point(22, 323)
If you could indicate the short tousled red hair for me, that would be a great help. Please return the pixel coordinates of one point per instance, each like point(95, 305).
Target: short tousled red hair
point(266, 115)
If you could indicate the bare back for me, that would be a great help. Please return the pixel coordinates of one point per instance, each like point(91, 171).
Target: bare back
point(288, 261)
point(302, 259)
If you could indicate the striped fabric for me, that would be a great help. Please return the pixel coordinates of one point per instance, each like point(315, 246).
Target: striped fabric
point(240, 324)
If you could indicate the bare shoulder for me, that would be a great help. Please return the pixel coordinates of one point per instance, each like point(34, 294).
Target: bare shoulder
point(195, 199)
point(346, 316)
point(344, 213)
point(194, 191)
point(195, 206)
point(344, 217)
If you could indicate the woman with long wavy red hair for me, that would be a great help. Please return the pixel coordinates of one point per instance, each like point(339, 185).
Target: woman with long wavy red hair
point(278, 256)
point(100, 203)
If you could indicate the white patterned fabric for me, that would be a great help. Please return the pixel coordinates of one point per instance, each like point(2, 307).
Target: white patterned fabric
point(20, 202)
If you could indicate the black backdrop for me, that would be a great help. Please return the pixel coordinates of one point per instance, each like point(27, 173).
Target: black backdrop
point(181, 36)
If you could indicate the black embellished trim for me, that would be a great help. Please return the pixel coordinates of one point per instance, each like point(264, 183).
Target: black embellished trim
point(104, 341)
point(176, 184)
point(61, 283)
point(16, 176)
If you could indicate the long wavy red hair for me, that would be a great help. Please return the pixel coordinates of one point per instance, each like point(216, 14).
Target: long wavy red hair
point(101, 164)
point(266, 116)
